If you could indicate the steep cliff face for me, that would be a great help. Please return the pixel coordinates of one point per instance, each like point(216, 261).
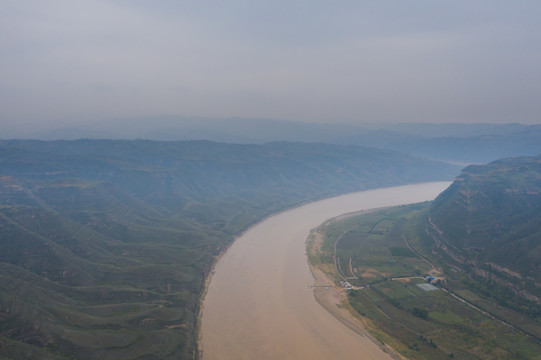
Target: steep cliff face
point(489, 220)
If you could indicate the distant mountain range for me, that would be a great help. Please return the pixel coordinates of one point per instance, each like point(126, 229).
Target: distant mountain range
point(460, 143)
point(105, 244)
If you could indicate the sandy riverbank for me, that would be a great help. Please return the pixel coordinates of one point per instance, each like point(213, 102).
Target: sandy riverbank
point(333, 298)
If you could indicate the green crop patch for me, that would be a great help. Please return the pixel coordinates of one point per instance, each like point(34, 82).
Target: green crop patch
point(447, 317)
point(402, 252)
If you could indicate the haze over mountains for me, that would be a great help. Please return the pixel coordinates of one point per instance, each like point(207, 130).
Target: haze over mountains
point(106, 243)
point(111, 215)
point(461, 143)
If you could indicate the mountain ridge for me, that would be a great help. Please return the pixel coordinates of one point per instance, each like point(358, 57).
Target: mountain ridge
point(454, 142)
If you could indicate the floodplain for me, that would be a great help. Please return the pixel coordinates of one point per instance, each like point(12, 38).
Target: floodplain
point(400, 292)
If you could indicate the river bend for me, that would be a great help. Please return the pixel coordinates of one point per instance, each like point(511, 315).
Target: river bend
point(258, 304)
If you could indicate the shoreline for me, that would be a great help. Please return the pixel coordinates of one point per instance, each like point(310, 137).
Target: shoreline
point(332, 298)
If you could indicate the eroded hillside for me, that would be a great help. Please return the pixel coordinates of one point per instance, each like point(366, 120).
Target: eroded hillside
point(488, 224)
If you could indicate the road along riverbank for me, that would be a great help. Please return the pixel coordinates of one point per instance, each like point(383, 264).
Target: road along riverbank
point(260, 302)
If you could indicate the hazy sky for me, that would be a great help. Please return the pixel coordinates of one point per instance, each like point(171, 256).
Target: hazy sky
point(317, 60)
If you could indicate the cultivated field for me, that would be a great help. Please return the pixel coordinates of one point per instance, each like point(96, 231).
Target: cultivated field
point(381, 254)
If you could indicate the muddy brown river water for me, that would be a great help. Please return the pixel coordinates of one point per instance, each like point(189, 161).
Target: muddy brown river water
point(258, 304)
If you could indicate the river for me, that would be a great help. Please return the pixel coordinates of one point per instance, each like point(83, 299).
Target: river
point(258, 304)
